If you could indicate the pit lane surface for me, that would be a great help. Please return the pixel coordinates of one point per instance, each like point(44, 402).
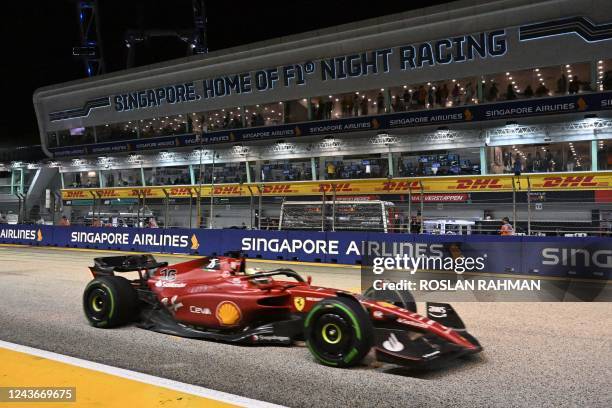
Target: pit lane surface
point(536, 354)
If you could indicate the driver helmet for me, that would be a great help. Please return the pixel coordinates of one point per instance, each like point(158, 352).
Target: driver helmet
point(252, 271)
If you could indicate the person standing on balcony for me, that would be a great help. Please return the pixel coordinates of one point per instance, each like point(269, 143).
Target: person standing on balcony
point(506, 228)
point(380, 102)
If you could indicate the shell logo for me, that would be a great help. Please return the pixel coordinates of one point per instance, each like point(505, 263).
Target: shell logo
point(228, 313)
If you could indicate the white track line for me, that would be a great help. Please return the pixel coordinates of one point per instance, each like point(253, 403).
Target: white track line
point(144, 378)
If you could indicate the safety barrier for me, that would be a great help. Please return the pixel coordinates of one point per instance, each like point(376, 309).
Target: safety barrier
point(588, 257)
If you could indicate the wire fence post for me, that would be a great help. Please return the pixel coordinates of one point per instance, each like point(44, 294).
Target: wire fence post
point(323, 211)
point(528, 206)
point(190, 208)
point(513, 205)
point(251, 206)
point(260, 188)
point(166, 207)
point(93, 206)
point(422, 207)
point(409, 208)
point(334, 208)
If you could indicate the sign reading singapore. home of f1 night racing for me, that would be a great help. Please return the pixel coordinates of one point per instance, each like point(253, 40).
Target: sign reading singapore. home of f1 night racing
point(445, 51)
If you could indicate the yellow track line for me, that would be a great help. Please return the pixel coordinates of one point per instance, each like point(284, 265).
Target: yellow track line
point(99, 385)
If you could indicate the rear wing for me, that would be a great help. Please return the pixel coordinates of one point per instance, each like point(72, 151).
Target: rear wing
point(108, 265)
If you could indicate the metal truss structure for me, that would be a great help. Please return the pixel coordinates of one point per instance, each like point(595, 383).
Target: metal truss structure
point(90, 47)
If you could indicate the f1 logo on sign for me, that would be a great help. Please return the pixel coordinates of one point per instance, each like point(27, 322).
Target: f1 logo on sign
point(477, 184)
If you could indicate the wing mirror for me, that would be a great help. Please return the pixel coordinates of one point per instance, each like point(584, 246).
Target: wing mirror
point(309, 279)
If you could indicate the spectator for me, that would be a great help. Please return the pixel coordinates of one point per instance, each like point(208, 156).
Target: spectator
point(444, 95)
point(469, 93)
point(506, 227)
point(153, 223)
point(574, 85)
point(537, 162)
point(355, 105)
point(456, 94)
point(510, 94)
point(540, 91)
point(422, 96)
point(439, 95)
point(562, 85)
point(607, 81)
point(364, 106)
point(380, 103)
point(331, 170)
point(493, 93)
point(430, 97)
point(64, 221)
point(518, 165)
point(529, 163)
point(528, 92)
point(407, 99)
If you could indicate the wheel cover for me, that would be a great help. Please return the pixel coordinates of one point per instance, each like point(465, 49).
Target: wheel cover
point(97, 304)
point(332, 337)
point(331, 333)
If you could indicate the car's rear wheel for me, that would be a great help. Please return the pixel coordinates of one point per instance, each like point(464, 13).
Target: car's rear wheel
point(338, 332)
point(110, 301)
point(400, 298)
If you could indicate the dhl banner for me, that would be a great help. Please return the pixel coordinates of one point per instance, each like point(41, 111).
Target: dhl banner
point(459, 184)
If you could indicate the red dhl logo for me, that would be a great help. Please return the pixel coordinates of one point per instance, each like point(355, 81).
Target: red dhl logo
point(227, 190)
point(569, 181)
point(477, 184)
point(399, 185)
point(180, 191)
point(108, 193)
point(340, 187)
point(279, 189)
point(142, 192)
point(75, 194)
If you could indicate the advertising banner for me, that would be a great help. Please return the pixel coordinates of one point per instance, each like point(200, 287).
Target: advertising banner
point(587, 258)
point(458, 185)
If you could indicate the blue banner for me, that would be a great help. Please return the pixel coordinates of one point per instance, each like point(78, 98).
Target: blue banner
point(589, 257)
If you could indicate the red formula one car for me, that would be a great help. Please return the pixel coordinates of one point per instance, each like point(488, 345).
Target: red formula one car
point(215, 298)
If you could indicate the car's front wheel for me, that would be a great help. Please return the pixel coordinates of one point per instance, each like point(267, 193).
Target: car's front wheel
point(338, 332)
point(110, 301)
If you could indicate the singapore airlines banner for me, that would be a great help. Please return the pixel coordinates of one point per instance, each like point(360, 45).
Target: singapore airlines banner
point(579, 258)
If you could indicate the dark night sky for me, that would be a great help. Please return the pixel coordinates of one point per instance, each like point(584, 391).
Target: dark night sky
point(37, 39)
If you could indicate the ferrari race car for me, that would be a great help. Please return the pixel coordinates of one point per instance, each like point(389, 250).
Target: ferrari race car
point(217, 298)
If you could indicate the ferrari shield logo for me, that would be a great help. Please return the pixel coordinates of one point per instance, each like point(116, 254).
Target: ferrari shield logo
point(299, 303)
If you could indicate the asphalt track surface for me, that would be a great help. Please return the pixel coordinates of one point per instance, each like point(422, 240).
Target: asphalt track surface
point(536, 354)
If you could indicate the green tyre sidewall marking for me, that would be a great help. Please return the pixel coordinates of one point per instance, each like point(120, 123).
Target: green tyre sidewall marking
point(318, 357)
point(353, 318)
point(94, 305)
